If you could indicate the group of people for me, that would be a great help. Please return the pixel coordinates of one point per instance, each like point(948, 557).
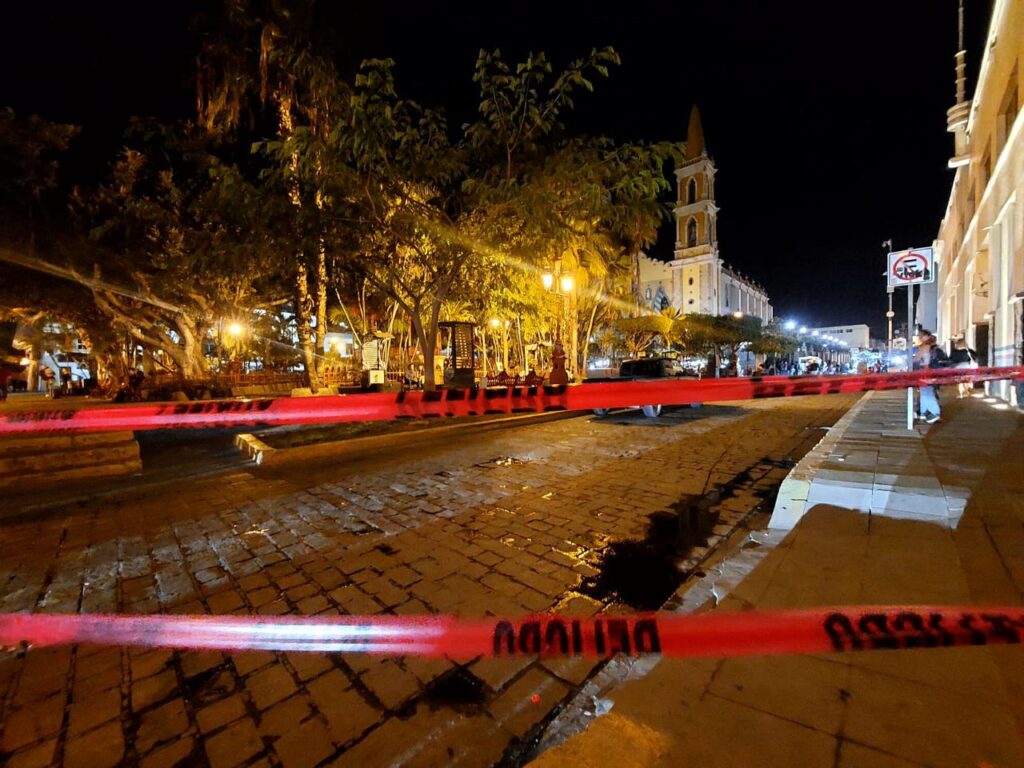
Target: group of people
point(47, 377)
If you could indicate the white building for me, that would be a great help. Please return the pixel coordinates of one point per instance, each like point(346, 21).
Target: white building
point(854, 336)
point(980, 249)
point(697, 280)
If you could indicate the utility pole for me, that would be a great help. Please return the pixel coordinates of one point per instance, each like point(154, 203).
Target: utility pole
point(910, 353)
point(890, 314)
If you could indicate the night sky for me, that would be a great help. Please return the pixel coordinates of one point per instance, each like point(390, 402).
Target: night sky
point(826, 120)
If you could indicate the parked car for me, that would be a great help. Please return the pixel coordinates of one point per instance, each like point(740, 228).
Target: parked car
point(645, 369)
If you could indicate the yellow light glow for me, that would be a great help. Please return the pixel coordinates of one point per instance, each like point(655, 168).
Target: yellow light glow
point(495, 322)
point(24, 361)
point(566, 282)
point(548, 280)
point(234, 329)
point(737, 315)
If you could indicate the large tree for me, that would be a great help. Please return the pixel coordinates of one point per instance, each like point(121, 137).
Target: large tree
point(172, 254)
point(421, 213)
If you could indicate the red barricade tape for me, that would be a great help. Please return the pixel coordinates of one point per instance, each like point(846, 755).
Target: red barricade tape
point(471, 402)
point(720, 633)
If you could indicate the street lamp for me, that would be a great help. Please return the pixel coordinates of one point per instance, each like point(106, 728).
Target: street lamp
point(789, 325)
point(803, 329)
point(565, 282)
point(235, 329)
point(738, 315)
point(548, 279)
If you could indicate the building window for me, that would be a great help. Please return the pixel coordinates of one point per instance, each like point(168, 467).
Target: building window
point(985, 171)
point(691, 233)
point(1007, 112)
point(691, 192)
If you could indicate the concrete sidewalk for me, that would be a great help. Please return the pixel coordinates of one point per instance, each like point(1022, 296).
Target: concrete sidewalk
point(944, 707)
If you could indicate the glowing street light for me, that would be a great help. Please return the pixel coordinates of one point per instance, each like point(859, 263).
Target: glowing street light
point(566, 283)
point(803, 329)
point(738, 315)
point(548, 279)
point(790, 325)
point(495, 322)
point(235, 329)
point(815, 333)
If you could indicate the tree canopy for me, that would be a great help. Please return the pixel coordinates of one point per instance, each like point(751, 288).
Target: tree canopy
point(297, 194)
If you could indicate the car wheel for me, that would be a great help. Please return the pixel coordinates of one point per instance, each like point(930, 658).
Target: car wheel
point(600, 411)
point(651, 411)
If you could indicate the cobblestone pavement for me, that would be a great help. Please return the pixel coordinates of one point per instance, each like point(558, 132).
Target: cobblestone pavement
point(454, 527)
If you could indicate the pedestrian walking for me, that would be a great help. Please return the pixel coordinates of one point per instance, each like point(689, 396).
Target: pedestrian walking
point(927, 354)
point(963, 357)
point(49, 380)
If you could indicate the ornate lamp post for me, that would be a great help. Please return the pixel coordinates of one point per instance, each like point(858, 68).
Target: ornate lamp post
point(561, 284)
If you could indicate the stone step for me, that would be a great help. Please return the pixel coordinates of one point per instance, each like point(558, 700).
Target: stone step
point(41, 480)
point(40, 460)
point(126, 450)
point(53, 442)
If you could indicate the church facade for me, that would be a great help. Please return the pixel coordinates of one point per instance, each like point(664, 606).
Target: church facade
point(697, 281)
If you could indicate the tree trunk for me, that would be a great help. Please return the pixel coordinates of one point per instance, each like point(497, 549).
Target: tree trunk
point(321, 303)
point(430, 331)
point(574, 337)
point(304, 307)
point(192, 363)
point(522, 349)
point(586, 341)
point(429, 380)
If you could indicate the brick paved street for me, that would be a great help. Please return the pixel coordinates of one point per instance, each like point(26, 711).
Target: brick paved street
point(451, 527)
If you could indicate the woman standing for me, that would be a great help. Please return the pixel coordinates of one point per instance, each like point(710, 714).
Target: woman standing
point(928, 355)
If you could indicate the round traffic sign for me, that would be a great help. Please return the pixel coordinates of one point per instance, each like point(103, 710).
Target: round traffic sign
point(910, 267)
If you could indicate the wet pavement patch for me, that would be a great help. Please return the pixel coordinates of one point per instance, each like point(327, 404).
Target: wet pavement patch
point(209, 685)
point(458, 689)
point(501, 461)
point(644, 574)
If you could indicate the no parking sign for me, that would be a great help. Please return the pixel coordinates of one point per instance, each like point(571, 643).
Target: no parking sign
point(910, 267)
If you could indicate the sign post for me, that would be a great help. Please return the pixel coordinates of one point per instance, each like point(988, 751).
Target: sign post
point(909, 268)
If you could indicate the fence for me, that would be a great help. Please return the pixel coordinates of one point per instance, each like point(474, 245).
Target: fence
point(331, 376)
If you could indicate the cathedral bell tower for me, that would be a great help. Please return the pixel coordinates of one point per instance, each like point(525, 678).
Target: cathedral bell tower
point(696, 253)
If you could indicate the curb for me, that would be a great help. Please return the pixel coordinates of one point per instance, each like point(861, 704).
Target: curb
point(265, 455)
point(791, 501)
